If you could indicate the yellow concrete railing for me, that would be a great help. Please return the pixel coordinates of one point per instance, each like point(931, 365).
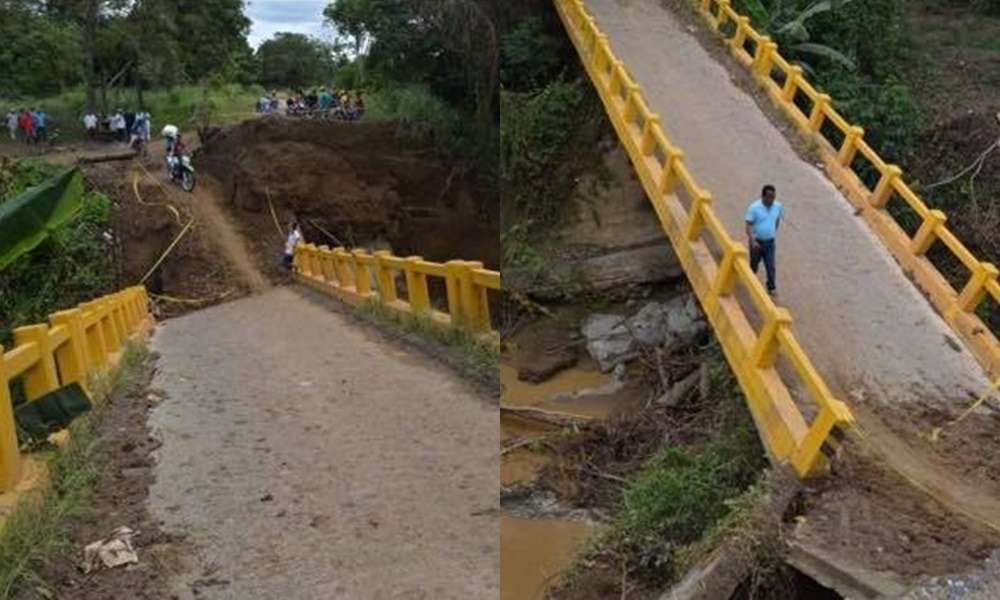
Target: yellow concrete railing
point(79, 342)
point(357, 276)
point(717, 267)
point(786, 84)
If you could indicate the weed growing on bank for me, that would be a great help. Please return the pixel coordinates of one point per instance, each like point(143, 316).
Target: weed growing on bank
point(37, 529)
point(687, 471)
point(474, 358)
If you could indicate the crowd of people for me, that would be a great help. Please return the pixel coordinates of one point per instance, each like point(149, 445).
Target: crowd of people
point(29, 126)
point(125, 126)
point(343, 105)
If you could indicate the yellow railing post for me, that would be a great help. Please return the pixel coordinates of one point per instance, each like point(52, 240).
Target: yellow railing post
point(42, 377)
point(740, 38)
point(134, 307)
point(791, 83)
point(886, 186)
point(72, 356)
point(416, 286)
point(668, 178)
point(112, 337)
point(386, 281)
point(325, 266)
point(453, 287)
point(118, 313)
point(471, 297)
point(601, 54)
point(927, 233)
point(975, 290)
point(818, 112)
point(362, 274)
point(631, 93)
point(648, 137)
point(765, 351)
point(10, 456)
point(808, 456)
point(702, 202)
point(614, 84)
point(763, 57)
point(344, 274)
point(725, 277)
point(850, 146)
point(97, 346)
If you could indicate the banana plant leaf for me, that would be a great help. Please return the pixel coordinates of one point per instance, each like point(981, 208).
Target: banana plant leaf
point(28, 219)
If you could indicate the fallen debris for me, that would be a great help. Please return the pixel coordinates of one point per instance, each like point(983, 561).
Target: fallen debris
point(111, 552)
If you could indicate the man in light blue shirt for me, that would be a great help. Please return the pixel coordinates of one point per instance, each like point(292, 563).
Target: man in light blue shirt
point(763, 219)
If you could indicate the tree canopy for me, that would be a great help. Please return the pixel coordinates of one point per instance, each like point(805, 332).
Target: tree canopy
point(50, 45)
point(294, 60)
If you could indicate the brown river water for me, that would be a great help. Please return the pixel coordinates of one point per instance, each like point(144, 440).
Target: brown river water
point(533, 552)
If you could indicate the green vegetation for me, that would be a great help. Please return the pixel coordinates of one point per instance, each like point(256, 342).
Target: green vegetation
point(470, 356)
point(687, 489)
point(294, 60)
point(51, 46)
point(27, 219)
point(419, 58)
point(178, 105)
point(72, 265)
point(551, 126)
point(37, 529)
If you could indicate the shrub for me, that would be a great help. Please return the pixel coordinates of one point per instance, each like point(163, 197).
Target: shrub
point(73, 265)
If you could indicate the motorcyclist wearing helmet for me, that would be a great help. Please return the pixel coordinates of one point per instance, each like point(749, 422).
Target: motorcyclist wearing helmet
point(173, 136)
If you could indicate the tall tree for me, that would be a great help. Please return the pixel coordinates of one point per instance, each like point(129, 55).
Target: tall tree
point(295, 60)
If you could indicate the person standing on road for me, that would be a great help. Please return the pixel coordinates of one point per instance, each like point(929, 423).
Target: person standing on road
point(763, 219)
point(294, 237)
point(12, 124)
point(90, 124)
point(27, 125)
point(41, 121)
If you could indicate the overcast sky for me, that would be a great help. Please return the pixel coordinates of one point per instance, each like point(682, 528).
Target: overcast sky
point(297, 16)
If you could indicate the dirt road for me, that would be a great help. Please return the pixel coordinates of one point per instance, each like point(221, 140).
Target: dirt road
point(305, 458)
point(876, 340)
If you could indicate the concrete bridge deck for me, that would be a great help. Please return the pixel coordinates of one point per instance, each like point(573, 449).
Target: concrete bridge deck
point(304, 457)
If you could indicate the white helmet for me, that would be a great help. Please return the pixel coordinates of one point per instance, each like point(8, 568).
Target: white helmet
point(170, 131)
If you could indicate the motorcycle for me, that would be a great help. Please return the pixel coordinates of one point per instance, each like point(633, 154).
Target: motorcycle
point(181, 171)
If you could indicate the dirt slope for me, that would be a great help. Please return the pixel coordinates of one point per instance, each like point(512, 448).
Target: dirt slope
point(310, 477)
point(364, 183)
point(876, 340)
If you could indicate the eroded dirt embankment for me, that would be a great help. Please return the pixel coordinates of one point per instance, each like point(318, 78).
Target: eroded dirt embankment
point(362, 183)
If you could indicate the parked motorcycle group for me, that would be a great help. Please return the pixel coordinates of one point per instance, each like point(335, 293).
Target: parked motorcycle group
point(322, 104)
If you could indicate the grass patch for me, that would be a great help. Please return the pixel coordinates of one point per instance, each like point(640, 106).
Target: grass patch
point(37, 529)
point(184, 106)
point(689, 472)
point(471, 357)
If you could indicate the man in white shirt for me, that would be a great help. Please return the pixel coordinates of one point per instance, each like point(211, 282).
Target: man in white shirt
point(90, 124)
point(294, 237)
point(12, 124)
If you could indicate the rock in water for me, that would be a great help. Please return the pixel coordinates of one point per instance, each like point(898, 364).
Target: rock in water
point(609, 340)
point(612, 339)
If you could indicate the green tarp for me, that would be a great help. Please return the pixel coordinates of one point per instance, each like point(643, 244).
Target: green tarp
point(25, 221)
point(46, 414)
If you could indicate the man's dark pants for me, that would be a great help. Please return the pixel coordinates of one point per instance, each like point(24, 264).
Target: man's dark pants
point(764, 250)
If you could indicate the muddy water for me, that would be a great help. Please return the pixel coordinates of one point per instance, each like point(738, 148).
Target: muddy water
point(522, 393)
point(534, 551)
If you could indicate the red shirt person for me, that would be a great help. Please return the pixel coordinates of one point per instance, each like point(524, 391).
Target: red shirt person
point(27, 125)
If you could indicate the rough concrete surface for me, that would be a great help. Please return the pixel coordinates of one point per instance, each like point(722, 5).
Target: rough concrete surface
point(302, 458)
point(856, 313)
point(878, 343)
